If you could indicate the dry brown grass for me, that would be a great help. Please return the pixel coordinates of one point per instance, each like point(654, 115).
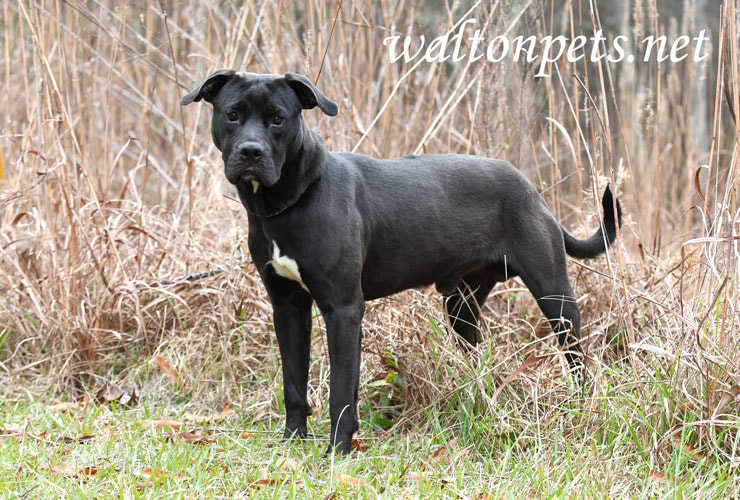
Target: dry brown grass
point(109, 187)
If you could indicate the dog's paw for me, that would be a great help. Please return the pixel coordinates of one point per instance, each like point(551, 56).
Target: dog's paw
point(339, 451)
point(292, 434)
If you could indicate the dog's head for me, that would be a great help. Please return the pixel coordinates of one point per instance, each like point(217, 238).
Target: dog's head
point(257, 123)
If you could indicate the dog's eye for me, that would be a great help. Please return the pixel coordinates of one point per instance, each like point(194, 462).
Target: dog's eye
point(277, 120)
point(232, 116)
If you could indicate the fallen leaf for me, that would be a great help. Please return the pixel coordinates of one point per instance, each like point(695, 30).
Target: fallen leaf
point(358, 446)
point(687, 407)
point(687, 449)
point(166, 368)
point(189, 437)
point(264, 478)
point(727, 396)
point(74, 472)
point(109, 393)
point(62, 407)
point(331, 496)
point(158, 424)
point(199, 419)
point(153, 474)
point(89, 470)
point(444, 452)
point(347, 480)
point(285, 464)
point(158, 475)
point(84, 403)
point(656, 476)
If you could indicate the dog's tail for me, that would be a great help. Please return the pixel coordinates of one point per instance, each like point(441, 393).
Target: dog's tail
point(597, 243)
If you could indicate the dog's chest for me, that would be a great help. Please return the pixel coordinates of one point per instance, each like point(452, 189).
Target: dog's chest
point(285, 266)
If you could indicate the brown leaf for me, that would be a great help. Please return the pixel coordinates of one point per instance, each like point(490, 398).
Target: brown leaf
point(444, 452)
point(331, 496)
point(159, 424)
point(357, 445)
point(154, 474)
point(264, 478)
point(348, 481)
point(199, 419)
point(726, 398)
point(222, 468)
point(62, 407)
point(159, 475)
point(109, 393)
point(89, 470)
point(166, 368)
point(687, 449)
point(687, 407)
point(285, 464)
point(656, 476)
point(189, 437)
point(74, 472)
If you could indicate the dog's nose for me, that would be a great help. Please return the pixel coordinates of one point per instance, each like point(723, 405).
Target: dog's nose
point(251, 150)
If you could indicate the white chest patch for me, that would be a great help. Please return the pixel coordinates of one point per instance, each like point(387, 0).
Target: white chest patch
point(285, 266)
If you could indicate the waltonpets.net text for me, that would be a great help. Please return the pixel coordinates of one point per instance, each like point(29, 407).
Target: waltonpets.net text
point(547, 49)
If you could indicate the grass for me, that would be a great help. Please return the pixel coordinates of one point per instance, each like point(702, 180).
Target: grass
point(611, 446)
point(108, 192)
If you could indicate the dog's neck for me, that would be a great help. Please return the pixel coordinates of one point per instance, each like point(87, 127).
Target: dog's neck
point(301, 169)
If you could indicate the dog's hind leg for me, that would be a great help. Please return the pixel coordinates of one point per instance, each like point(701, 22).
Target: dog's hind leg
point(551, 288)
point(463, 306)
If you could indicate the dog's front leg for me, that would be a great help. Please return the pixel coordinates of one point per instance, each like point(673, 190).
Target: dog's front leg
point(343, 329)
point(292, 315)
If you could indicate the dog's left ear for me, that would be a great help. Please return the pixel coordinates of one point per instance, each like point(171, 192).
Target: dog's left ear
point(209, 88)
point(309, 95)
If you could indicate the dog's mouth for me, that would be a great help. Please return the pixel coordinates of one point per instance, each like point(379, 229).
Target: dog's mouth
point(251, 179)
point(252, 175)
point(248, 178)
point(237, 174)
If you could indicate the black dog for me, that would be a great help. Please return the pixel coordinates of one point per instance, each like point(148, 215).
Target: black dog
point(342, 228)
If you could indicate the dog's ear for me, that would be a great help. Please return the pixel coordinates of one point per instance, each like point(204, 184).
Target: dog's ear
point(309, 95)
point(209, 88)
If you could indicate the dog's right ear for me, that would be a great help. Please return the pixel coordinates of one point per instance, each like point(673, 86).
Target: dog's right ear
point(209, 88)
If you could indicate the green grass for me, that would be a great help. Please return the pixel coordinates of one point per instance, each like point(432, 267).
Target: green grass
point(613, 446)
